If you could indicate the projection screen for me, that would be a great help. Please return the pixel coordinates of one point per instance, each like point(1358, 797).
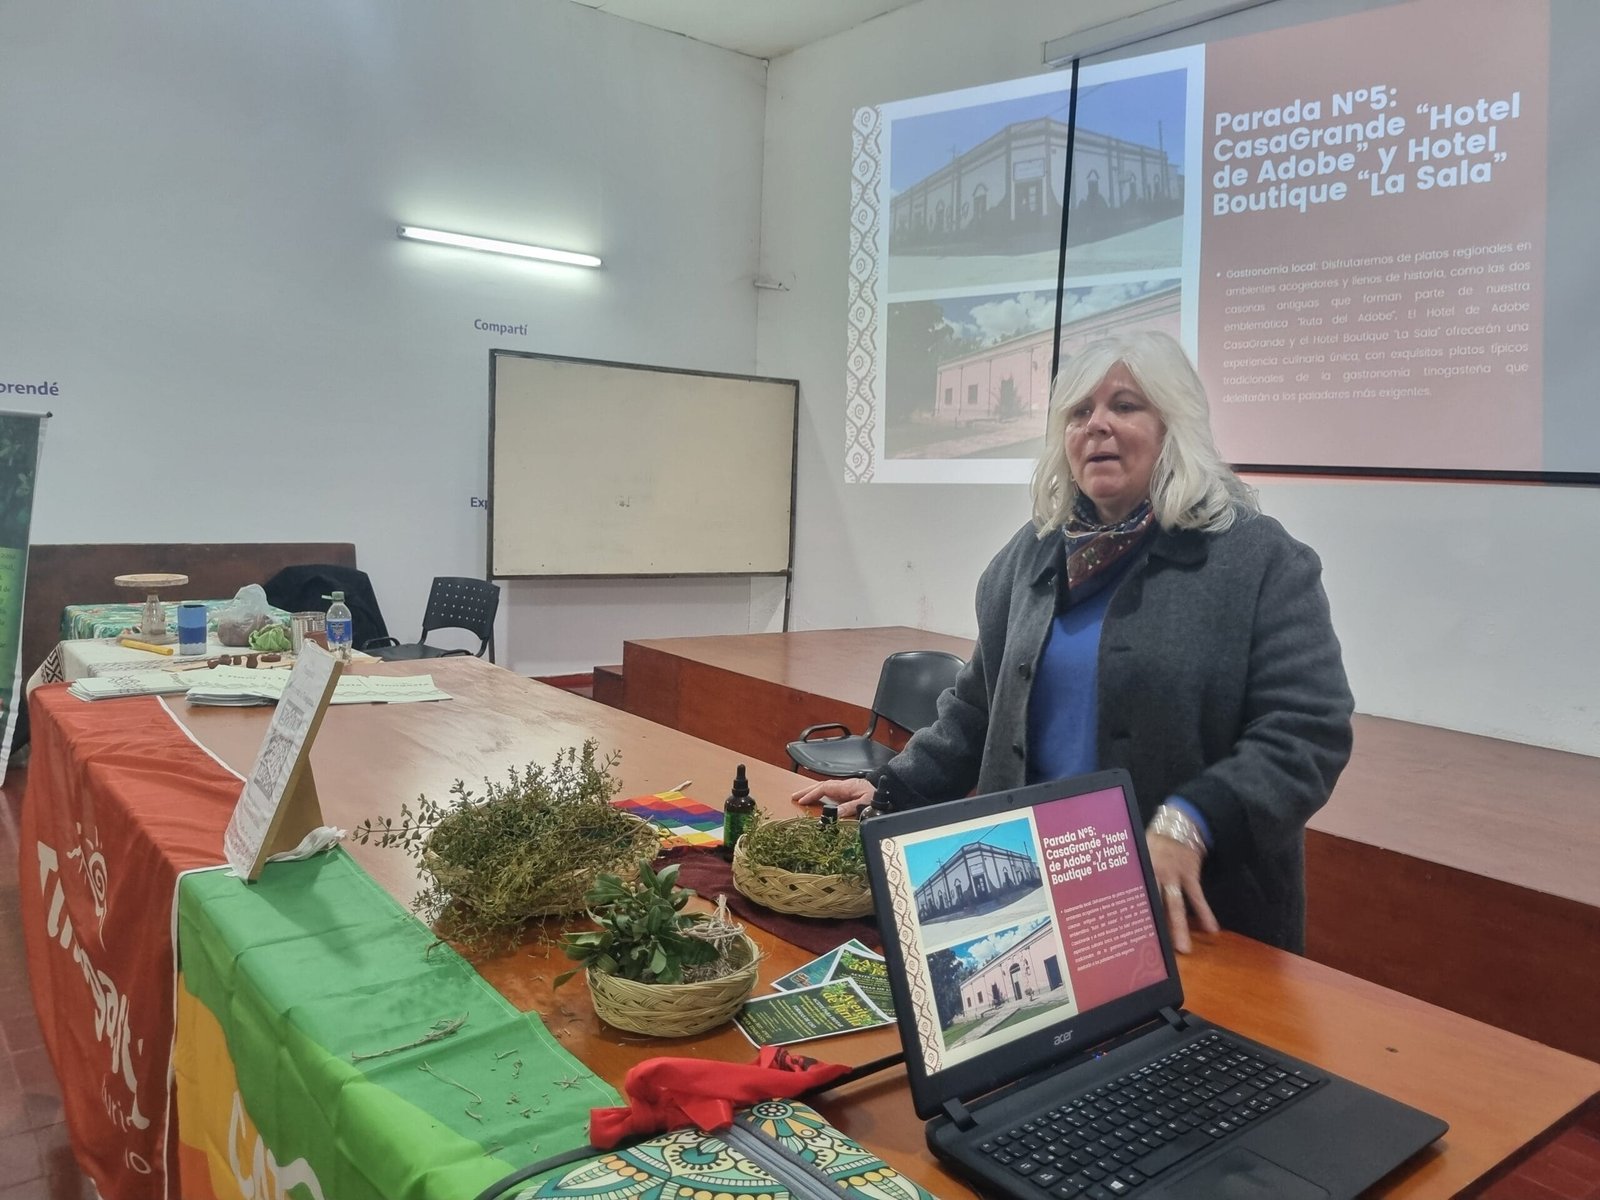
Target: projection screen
point(1368, 225)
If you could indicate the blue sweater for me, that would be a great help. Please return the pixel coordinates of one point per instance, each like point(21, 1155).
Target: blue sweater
point(1063, 712)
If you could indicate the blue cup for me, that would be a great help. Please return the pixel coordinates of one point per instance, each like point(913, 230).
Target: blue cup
point(192, 627)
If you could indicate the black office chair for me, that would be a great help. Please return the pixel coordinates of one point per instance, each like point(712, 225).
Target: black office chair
point(453, 603)
point(909, 687)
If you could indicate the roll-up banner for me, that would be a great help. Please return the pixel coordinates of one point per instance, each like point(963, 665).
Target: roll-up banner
point(21, 437)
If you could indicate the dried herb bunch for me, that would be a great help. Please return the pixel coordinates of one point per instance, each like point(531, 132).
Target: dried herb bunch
point(530, 846)
point(808, 847)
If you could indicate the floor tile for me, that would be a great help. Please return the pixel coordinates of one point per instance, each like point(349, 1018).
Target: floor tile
point(19, 1027)
point(37, 1087)
point(16, 1013)
point(35, 1073)
point(13, 951)
point(59, 1168)
point(19, 1159)
point(1578, 1155)
point(1544, 1168)
point(1586, 1143)
point(12, 1109)
point(1513, 1187)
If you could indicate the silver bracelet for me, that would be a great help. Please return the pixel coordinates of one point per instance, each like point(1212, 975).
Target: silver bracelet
point(1175, 824)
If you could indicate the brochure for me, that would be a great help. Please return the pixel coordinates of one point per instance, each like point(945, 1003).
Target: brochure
point(810, 1012)
point(820, 970)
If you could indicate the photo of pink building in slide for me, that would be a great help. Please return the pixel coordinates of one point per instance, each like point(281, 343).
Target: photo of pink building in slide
point(1372, 242)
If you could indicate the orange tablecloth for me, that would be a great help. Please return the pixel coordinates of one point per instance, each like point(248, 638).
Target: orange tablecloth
point(98, 881)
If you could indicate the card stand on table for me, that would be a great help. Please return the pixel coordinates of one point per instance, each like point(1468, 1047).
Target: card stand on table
point(278, 805)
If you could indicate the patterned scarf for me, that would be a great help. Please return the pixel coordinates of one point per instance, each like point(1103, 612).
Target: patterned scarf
point(1094, 550)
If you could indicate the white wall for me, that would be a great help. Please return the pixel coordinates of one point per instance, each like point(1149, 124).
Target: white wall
point(197, 244)
point(1469, 607)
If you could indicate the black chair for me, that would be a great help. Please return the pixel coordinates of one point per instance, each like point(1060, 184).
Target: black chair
point(909, 687)
point(306, 588)
point(454, 602)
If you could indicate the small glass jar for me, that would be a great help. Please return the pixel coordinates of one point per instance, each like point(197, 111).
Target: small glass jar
point(153, 619)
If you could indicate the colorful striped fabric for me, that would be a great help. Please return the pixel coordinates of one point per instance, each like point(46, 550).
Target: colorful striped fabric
point(682, 821)
point(290, 990)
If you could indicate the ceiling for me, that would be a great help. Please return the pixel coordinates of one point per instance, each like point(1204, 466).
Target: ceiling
point(759, 28)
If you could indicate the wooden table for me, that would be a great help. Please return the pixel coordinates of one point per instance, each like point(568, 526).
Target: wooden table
point(370, 759)
point(754, 693)
point(1455, 868)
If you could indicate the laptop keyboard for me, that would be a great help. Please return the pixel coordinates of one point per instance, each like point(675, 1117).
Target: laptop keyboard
point(1112, 1140)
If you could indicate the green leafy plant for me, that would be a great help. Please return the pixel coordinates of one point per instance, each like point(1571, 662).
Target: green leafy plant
point(530, 846)
point(644, 933)
point(808, 847)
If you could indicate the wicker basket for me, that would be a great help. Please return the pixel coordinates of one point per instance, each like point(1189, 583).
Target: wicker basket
point(676, 1009)
point(793, 892)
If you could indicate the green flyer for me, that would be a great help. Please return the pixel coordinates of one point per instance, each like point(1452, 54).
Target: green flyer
point(870, 973)
point(806, 1013)
point(820, 970)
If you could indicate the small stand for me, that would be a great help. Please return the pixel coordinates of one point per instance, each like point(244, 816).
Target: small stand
point(278, 805)
point(153, 620)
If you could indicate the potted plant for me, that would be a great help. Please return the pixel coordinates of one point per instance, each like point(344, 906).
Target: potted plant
point(528, 847)
point(651, 967)
point(802, 865)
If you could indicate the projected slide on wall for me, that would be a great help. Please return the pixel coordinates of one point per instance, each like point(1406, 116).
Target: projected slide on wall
point(1343, 222)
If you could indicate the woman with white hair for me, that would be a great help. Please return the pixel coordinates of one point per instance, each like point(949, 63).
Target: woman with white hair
point(1149, 617)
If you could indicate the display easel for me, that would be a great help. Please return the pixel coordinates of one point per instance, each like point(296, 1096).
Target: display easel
point(299, 812)
point(278, 805)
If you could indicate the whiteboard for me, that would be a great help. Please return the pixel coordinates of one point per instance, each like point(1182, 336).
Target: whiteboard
point(599, 468)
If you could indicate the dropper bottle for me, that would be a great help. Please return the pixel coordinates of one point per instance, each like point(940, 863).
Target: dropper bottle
point(737, 812)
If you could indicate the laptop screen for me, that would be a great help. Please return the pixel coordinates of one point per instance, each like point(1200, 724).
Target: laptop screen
point(1020, 928)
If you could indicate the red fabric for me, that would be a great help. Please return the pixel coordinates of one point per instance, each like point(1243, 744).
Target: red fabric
point(119, 801)
point(668, 1093)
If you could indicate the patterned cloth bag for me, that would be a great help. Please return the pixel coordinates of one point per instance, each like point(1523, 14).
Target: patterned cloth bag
point(774, 1150)
point(733, 1132)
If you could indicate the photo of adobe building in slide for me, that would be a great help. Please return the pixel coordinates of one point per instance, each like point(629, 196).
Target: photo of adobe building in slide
point(973, 377)
point(976, 193)
point(985, 985)
point(970, 883)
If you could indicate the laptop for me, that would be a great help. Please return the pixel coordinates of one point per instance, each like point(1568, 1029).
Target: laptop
point(1041, 1011)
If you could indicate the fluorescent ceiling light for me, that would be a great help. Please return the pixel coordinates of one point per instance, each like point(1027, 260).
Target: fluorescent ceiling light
point(495, 246)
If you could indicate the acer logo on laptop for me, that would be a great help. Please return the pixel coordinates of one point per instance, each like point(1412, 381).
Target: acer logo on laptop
point(1063, 1038)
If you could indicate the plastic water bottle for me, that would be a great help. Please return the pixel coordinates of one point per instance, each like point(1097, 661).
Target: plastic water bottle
point(341, 628)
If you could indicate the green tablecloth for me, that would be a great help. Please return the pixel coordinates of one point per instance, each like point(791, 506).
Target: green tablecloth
point(290, 991)
point(112, 620)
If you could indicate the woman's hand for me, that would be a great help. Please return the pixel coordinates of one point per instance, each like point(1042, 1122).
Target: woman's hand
point(1177, 870)
point(851, 795)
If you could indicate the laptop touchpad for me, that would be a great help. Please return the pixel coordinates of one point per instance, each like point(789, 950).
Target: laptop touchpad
point(1239, 1174)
